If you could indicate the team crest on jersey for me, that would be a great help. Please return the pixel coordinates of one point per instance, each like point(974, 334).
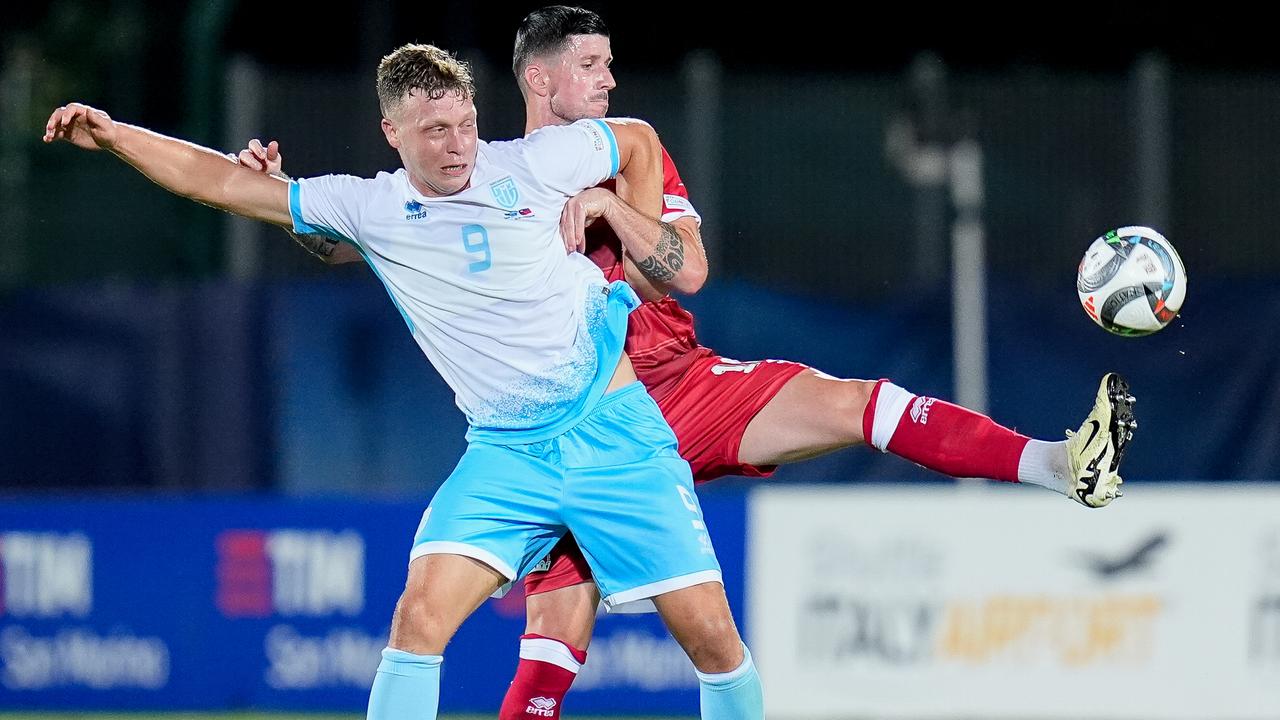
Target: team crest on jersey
point(414, 210)
point(505, 192)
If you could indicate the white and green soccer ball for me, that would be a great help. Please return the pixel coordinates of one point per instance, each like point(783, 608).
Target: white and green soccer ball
point(1131, 281)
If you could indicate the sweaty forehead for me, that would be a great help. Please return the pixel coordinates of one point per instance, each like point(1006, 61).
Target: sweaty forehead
point(586, 46)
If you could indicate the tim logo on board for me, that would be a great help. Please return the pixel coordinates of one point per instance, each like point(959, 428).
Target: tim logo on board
point(45, 575)
point(48, 576)
point(290, 572)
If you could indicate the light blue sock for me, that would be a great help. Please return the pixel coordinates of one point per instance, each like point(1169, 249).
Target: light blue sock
point(407, 687)
point(734, 695)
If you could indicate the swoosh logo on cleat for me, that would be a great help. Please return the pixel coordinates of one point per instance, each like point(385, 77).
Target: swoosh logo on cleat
point(1093, 433)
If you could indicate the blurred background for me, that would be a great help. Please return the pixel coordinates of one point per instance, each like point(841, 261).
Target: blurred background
point(214, 449)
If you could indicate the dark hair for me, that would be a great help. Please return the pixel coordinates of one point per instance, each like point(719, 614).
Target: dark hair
point(425, 68)
point(545, 31)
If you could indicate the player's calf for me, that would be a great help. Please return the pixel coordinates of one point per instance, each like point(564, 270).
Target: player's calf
point(941, 436)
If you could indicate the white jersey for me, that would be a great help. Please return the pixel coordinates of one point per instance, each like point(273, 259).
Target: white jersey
point(512, 323)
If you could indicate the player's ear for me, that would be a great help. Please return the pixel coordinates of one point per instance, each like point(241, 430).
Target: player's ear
point(536, 78)
point(389, 130)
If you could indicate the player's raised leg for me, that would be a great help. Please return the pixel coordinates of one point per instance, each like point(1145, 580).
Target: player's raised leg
point(815, 413)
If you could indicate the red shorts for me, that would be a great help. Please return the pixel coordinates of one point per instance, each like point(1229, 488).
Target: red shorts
point(709, 410)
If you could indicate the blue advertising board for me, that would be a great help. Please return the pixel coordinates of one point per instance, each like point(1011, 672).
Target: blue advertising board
point(274, 604)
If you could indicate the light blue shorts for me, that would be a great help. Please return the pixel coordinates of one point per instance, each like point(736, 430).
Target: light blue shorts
point(615, 480)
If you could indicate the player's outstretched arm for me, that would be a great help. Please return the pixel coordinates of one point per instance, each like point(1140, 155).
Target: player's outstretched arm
point(183, 168)
point(267, 159)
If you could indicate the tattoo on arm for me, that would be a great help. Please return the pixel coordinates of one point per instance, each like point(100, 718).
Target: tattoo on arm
point(667, 258)
point(318, 245)
point(321, 246)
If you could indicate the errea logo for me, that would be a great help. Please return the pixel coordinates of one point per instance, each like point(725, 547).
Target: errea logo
point(414, 210)
point(541, 707)
point(920, 409)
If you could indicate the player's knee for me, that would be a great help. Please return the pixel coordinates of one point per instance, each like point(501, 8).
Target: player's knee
point(572, 630)
point(566, 614)
point(419, 627)
point(713, 644)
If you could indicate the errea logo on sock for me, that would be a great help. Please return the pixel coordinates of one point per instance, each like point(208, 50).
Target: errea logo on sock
point(920, 409)
point(541, 707)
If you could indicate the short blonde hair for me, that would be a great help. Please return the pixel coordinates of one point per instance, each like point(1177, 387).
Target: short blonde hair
point(424, 68)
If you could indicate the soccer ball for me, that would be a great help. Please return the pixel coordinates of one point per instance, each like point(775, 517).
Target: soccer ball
point(1131, 281)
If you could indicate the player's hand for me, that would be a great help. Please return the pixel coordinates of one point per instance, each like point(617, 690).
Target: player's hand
point(263, 159)
point(582, 210)
point(82, 126)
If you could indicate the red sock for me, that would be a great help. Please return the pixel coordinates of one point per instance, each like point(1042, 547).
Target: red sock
point(547, 668)
point(941, 436)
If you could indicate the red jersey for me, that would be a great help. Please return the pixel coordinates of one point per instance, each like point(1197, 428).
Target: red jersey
point(660, 338)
